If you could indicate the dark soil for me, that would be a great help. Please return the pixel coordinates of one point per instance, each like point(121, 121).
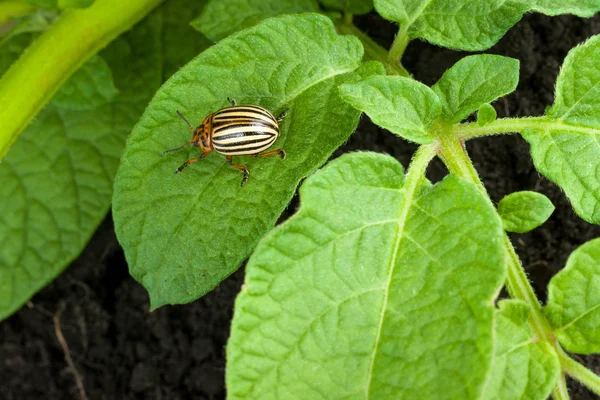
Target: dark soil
point(122, 351)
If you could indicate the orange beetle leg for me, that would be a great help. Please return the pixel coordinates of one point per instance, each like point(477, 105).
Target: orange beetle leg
point(241, 168)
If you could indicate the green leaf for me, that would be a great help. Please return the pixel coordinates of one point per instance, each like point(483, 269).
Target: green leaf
point(523, 368)
point(57, 178)
point(574, 301)
point(221, 18)
point(582, 8)
point(91, 86)
point(182, 240)
point(524, 211)
point(350, 6)
point(401, 105)
point(486, 114)
point(378, 287)
point(475, 81)
point(566, 145)
point(472, 25)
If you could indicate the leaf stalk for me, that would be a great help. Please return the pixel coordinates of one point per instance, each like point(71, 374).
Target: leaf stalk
point(33, 79)
point(579, 372)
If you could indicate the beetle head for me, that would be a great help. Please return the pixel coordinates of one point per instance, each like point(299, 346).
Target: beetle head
point(202, 137)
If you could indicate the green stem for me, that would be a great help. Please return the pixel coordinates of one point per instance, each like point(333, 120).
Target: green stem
point(508, 125)
point(14, 9)
point(560, 391)
point(373, 51)
point(34, 78)
point(455, 157)
point(418, 165)
point(398, 47)
point(579, 372)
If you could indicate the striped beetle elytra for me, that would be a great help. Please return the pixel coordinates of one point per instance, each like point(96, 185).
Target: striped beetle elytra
point(235, 131)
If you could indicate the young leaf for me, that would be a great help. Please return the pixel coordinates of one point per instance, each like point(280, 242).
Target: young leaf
point(91, 86)
point(57, 178)
point(475, 81)
point(198, 226)
point(524, 211)
point(401, 105)
point(574, 301)
point(221, 18)
point(582, 8)
point(486, 114)
point(358, 296)
point(565, 146)
point(351, 6)
point(459, 24)
point(523, 368)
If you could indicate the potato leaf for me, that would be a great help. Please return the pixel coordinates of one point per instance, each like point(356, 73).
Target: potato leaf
point(475, 81)
point(574, 301)
point(401, 105)
point(351, 6)
point(524, 211)
point(183, 234)
point(582, 8)
point(458, 24)
point(376, 288)
point(566, 145)
point(57, 179)
point(523, 368)
point(221, 18)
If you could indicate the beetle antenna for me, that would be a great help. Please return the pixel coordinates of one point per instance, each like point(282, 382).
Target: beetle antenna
point(177, 148)
point(186, 121)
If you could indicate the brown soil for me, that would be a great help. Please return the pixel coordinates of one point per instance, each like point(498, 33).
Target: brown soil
point(121, 351)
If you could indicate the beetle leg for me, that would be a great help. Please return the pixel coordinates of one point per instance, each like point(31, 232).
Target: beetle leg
point(282, 115)
point(240, 167)
point(232, 101)
point(281, 152)
point(191, 161)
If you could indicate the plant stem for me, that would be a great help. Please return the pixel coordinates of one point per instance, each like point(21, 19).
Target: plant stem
point(34, 78)
point(398, 47)
point(508, 125)
point(373, 51)
point(561, 392)
point(579, 372)
point(14, 9)
point(457, 161)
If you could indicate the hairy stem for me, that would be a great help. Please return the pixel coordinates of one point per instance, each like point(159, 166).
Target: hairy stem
point(561, 392)
point(457, 160)
point(34, 78)
point(579, 372)
point(398, 47)
point(510, 125)
point(373, 51)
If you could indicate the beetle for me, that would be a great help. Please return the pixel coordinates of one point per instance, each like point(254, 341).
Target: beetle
point(235, 131)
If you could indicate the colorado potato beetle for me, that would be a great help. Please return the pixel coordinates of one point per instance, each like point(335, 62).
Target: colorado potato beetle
point(235, 131)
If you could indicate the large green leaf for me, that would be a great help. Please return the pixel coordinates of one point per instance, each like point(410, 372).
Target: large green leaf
point(574, 301)
point(183, 234)
point(380, 287)
point(57, 178)
point(524, 367)
point(524, 211)
point(459, 24)
point(565, 146)
point(401, 105)
point(221, 18)
point(473, 82)
point(583, 8)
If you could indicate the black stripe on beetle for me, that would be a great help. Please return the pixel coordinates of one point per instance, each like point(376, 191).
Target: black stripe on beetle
point(234, 131)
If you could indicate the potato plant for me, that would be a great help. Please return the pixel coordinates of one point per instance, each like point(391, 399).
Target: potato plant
point(383, 284)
